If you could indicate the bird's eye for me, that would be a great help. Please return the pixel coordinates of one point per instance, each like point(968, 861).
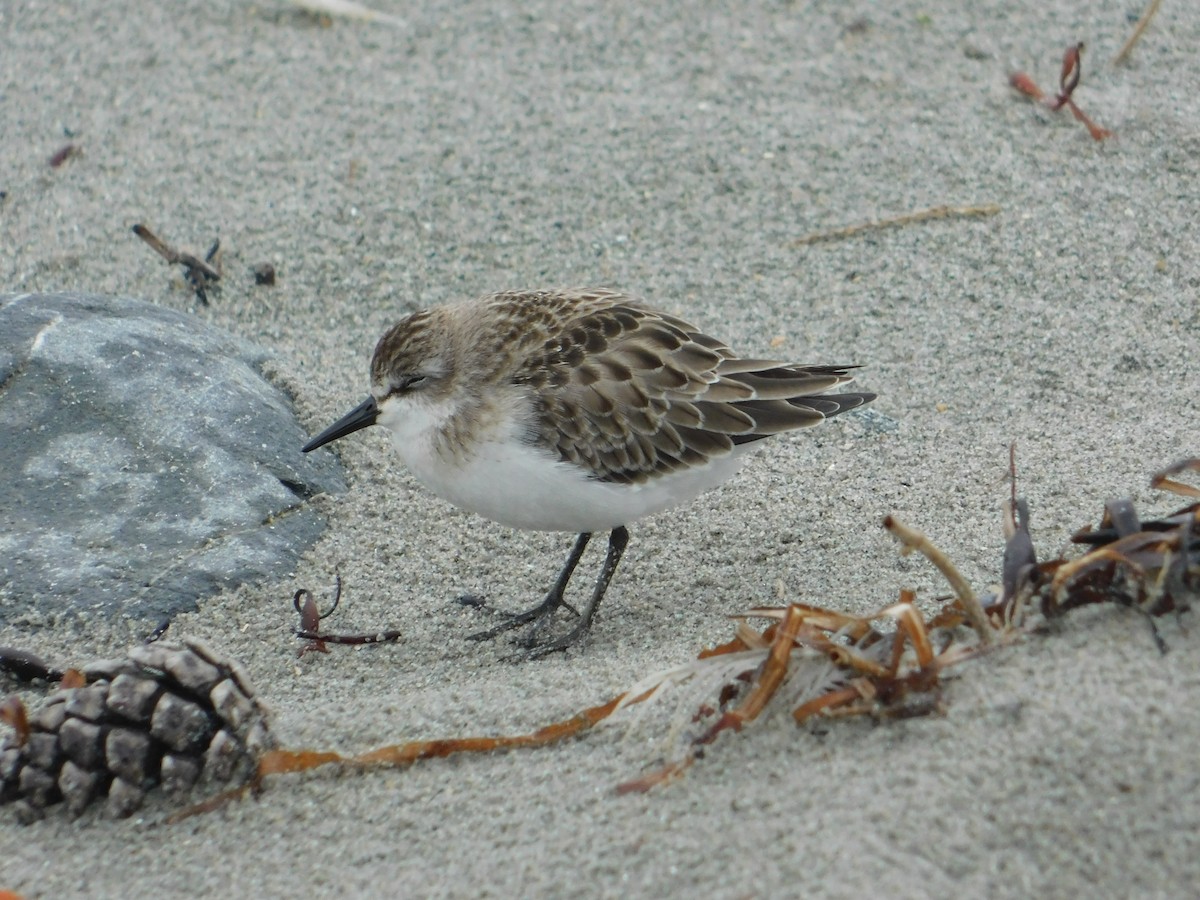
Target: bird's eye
point(411, 382)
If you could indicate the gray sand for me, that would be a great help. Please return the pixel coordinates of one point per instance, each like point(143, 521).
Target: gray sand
point(674, 151)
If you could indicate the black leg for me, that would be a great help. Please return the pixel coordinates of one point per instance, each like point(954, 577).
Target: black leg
point(617, 542)
point(541, 613)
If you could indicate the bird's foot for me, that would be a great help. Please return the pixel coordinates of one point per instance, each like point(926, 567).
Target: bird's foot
point(536, 618)
point(558, 645)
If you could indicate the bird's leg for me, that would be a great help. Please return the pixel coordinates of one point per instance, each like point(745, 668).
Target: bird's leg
point(541, 613)
point(617, 541)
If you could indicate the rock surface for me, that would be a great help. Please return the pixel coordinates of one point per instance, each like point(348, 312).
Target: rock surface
point(146, 461)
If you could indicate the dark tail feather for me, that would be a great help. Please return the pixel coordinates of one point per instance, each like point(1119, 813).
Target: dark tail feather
point(833, 404)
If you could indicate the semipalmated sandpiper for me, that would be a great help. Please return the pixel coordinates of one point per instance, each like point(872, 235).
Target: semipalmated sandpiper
point(579, 411)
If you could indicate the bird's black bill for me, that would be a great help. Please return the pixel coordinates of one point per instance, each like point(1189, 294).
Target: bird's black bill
point(360, 417)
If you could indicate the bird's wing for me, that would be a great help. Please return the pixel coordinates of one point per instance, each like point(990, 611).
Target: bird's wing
point(630, 394)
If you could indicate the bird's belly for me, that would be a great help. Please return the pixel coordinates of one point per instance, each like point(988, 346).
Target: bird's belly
point(520, 485)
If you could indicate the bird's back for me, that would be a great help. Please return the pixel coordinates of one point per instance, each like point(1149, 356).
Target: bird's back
point(630, 394)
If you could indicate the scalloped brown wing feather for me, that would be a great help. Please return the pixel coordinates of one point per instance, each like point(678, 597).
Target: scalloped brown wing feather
point(631, 394)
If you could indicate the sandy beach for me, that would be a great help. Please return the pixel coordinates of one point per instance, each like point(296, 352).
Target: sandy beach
point(675, 151)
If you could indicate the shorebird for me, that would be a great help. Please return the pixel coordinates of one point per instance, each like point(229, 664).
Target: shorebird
point(576, 410)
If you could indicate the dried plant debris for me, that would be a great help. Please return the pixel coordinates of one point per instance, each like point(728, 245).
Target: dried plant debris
point(62, 154)
point(315, 640)
point(818, 663)
point(25, 666)
point(201, 275)
point(166, 715)
point(1162, 480)
point(1153, 567)
point(350, 10)
point(1148, 14)
point(1068, 80)
point(813, 662)
point(823, 663)
point(279, 762)
point(924, 215)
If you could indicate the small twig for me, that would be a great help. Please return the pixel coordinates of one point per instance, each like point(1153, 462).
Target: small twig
point(1027, 86)
point(1150, 12)
point(915, 540)
point(1162, 482)
point(660, 776)
point(346, 640)
point(924, 215)
point(1008, 516)
point(310, 616)
point(198, 273)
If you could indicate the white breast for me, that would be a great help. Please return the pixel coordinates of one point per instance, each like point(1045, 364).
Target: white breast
point(516, 483)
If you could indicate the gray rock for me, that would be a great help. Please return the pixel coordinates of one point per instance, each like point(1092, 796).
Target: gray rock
point(146, 460)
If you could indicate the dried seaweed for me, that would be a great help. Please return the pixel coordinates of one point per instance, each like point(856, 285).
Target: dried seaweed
point(1068, 81)
point(310, 632)
point(821, 663)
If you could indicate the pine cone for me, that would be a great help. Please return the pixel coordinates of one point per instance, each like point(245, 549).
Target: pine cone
point(166, 715)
